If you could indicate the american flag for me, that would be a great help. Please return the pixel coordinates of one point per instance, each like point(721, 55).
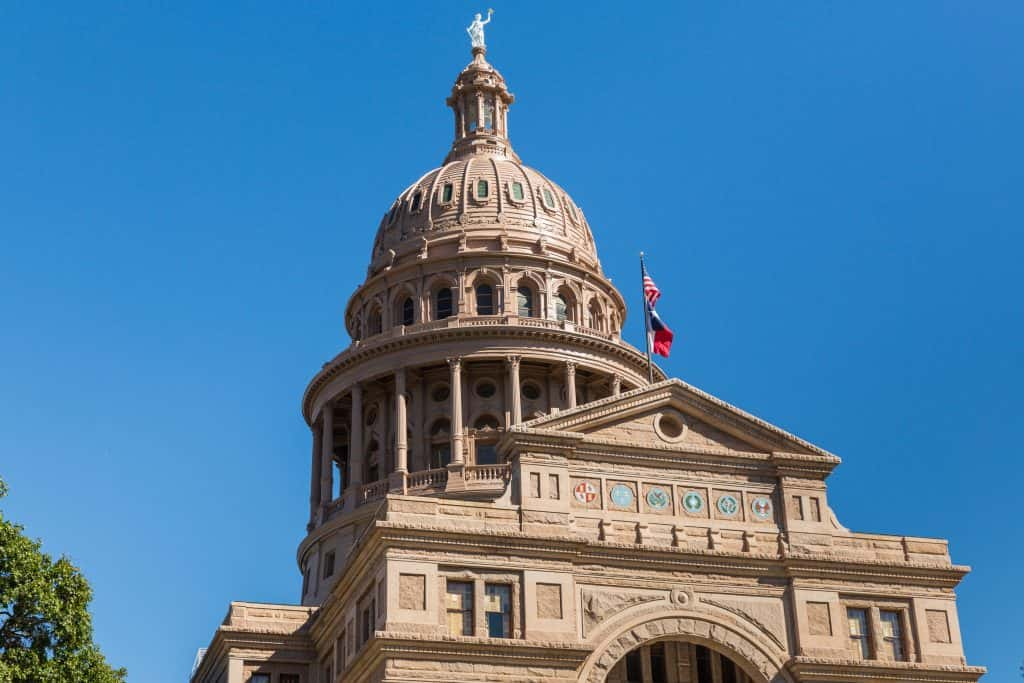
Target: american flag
point(651, 291)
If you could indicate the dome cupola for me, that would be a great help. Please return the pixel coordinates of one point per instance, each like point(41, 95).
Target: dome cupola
point(480, 101)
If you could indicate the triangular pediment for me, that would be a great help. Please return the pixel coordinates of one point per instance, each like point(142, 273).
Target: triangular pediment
point(674, 415)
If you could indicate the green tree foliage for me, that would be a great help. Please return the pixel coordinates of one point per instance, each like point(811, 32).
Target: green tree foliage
point(45, 627)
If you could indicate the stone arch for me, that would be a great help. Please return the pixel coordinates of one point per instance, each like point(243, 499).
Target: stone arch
point(528, 279)
point(485, 277)
point(434, 285)
point(402, 293)
point(762, 660)
point(566, 292)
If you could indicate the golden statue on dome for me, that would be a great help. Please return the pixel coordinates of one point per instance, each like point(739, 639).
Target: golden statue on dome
point(476, 29)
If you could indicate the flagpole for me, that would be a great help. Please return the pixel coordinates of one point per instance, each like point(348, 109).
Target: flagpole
point(647, 322)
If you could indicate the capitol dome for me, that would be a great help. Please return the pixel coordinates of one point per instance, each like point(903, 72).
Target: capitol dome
point(483, 186)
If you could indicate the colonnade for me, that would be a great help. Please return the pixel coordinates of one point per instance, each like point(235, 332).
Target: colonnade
point(322, 469)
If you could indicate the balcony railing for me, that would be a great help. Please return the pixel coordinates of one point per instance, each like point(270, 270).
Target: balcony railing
point(488, 321)
point(369, 492)
point(486, 474)
point(427, 479)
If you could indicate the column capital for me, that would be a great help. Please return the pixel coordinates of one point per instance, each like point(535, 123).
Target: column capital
point(570, 367)
point(454, 362)
point(513, 361)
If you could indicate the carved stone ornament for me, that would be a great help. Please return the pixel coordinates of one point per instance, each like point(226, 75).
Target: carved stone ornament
point(600, 604)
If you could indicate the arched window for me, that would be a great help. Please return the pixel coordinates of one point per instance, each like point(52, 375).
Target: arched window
point(416, 200)
point(485, 300)
point(486, 422)
point(408, 311)
point(374, 324)
point(561, 308)
point(525, 301)
point(596, 317)
point(443, 304)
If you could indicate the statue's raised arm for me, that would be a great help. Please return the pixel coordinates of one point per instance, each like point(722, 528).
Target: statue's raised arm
point(476, 29)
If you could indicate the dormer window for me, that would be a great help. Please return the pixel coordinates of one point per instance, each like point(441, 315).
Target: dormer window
point(482, 189)
point(416, 200)
point(517, 192)
point(447, 192)
point(549, 199)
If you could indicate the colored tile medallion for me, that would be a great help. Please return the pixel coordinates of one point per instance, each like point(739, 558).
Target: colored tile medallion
point(658, 498)
point(622, 495)
point(761, 507)
point(585, 492)
point(693, 502)
point(728, 505)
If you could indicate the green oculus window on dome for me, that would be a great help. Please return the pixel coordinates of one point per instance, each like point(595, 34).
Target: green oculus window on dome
point(482, 189)
point(517, 192)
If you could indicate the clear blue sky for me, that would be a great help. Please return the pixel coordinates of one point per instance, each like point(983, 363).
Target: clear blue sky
point(830, 194)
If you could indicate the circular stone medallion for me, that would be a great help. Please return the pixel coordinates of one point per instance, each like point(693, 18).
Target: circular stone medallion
point(761, 507)
point(728, 505)
point(693, 502)
point(622, 495)
point(585, 492)
point(657, 498)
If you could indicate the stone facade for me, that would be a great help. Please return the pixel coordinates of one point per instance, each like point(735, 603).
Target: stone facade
point(499, 494)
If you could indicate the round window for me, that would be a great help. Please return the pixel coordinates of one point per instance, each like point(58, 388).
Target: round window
point(531, 391)
point(671, 426)
point(440, 393)
point(486, 389)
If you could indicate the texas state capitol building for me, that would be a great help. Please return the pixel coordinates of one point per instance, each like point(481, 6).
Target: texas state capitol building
point(498, 493)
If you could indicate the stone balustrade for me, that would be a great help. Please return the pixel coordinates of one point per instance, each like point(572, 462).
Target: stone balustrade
point(427, 479)
point(486, 473)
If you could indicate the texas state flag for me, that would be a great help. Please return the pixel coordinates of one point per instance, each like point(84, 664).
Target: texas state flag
point(659, 339)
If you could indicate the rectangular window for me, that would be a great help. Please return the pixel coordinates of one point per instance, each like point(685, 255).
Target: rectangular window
point(447, 193)
point(365, 620)
point(259, 678)
point(440, 455)
point(329, 564)
point(339, 653)
point(549, 199)
point(659, 667)
point(798, 507)
point(892, 634)
point(815, 509)
point(553, 492)
point(486, 454)
point(517, 192)
point(498, 608)
point(481, 189)
point(534, 484)
point(704, 672)
point(459, 606)
point(305, 582)
point(860, 640)
point(635, 666)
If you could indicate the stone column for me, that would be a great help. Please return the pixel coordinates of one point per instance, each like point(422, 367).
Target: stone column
point(314, 478)
point(327, 456)
point(570, 384)
point(455, 365)
point(355, 449)
point(401, 434)
point(616, 385)
point(513, 382)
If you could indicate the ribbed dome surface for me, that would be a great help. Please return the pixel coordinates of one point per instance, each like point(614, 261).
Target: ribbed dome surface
point(486, 192)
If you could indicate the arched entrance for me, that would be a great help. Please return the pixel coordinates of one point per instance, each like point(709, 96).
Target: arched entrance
point(696, 647)
point(677, 661)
